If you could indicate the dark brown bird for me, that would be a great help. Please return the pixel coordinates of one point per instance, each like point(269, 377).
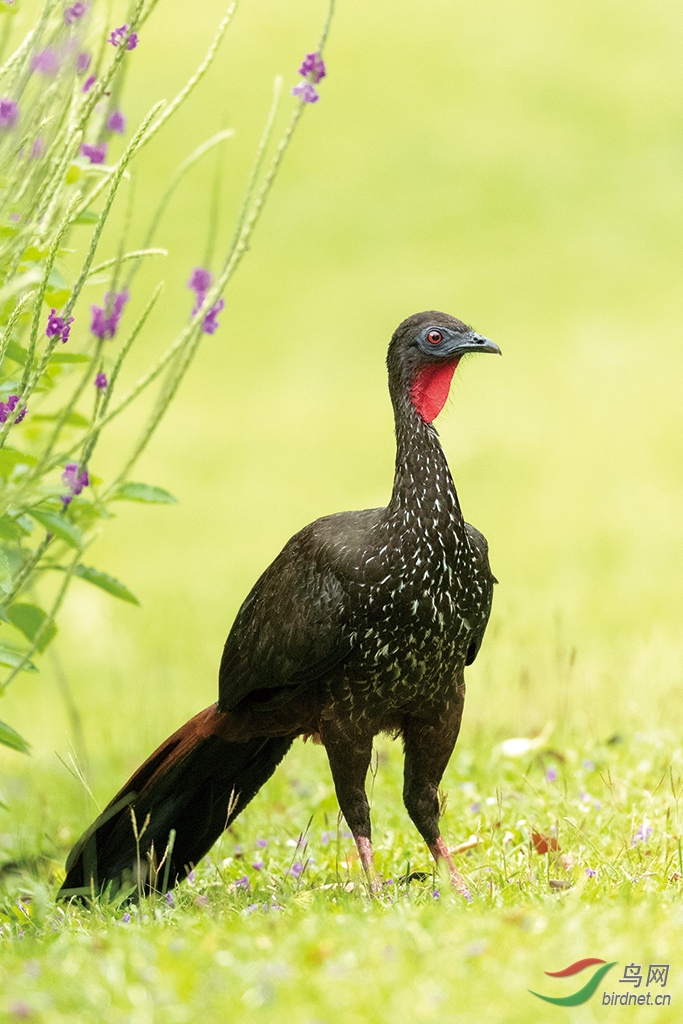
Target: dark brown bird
point(364, 623)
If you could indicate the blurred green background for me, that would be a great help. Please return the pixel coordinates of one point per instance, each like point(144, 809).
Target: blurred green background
point(519, 166)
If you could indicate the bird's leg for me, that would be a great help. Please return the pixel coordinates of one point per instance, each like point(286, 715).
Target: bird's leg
point(441, 855)
point(349, 758)
point(427, 751)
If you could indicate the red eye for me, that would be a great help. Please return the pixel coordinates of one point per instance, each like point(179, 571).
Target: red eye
point(434, 337)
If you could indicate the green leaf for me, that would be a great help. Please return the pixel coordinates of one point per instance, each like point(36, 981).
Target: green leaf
point(12, 658)
point(87, 217)
point(69, 357)
point(28, 618)
point(73, 174)
point(11, 738)
point(74, 419)
point(59, 525)
point(10, 529)
point(85, 513)
point(34, 253)
point(106, 582)
point(5, 573)
point(57, 297)
point(55, 280)
point(16, 352)
point(143, 492)
point(10, 457)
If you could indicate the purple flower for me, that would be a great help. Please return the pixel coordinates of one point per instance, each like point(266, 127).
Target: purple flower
point(116, 122)
point(296, 869)
point(9, 406)
point(169, 899)
point(46, 62)
point(118, 34)
point(9, 113)
point(101, 383)
point(57, 325)
point(591, 873)
point(88, 84)
point(95, 154)
point(82, 62)
point(643, 834)
point(126, 918)
point(243, 883)
point(306, 91)
point(210, 324)
point(262, 843)
point(37, 149)
point(313, 67)
point(436, 894)
point(191, 875)
point(74, 481)
point(475, 808)
point(588, 765)
point(73, 13)
point(105, 321)
point(388, 881)
point(551, 775)
point(326, 837)
point(252, 908)
point(258, 865)
point(200, 282)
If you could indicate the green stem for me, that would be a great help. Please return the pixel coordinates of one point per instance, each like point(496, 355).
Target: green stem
point(46, 463)
point(198, 75)
point(180, 173)
point(132, 147)
point(13, 317)
point(26, 570)
point(47, 622)
point(135, 254)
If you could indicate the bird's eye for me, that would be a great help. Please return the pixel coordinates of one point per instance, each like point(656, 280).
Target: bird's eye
point(434, 337)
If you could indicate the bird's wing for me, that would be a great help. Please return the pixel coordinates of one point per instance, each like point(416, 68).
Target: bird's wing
point(480, 548)
point(293, 627)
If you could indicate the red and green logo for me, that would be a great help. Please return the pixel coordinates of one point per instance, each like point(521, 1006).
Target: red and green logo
point(583, 994)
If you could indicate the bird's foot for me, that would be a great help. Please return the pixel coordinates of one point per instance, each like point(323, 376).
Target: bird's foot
point(441, 855)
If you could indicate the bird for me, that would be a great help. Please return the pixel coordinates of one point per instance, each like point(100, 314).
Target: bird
point(363, 624)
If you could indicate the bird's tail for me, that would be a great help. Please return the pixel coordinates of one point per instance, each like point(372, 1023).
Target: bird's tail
point(172, 810)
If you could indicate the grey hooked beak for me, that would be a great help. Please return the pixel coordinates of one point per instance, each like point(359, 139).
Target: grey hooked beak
point(473, 342)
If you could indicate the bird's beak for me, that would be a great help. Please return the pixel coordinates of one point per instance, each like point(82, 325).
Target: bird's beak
point(473, 342)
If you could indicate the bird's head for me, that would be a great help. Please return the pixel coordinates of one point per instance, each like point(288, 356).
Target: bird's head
point(423, 355)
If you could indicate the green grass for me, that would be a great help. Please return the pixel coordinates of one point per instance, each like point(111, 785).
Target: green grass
point(318, 947)
point(520, 166)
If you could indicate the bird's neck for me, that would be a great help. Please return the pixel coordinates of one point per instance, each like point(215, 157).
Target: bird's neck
point(422, 479)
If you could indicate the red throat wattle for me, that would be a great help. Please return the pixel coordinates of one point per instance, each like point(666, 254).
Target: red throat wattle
point(430, 389)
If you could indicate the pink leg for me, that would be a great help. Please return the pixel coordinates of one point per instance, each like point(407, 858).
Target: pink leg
point(440, 852)
point(366, 858)
point(349, 762)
